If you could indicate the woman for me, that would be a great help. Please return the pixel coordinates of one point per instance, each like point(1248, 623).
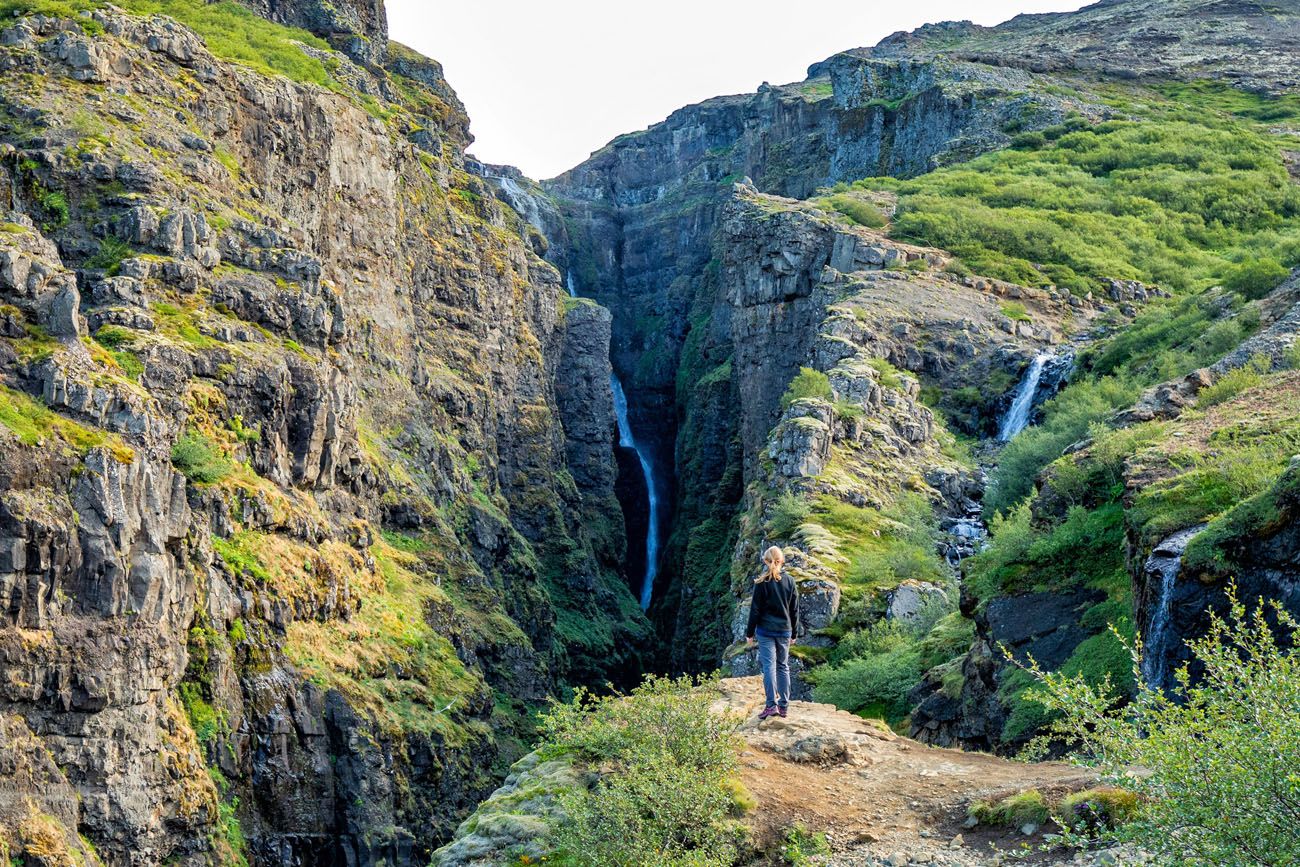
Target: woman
point(774, 620)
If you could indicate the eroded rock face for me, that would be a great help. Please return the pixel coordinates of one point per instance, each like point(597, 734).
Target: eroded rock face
point(315, 482)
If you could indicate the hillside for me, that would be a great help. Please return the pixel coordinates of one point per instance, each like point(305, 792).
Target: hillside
point(329, 455)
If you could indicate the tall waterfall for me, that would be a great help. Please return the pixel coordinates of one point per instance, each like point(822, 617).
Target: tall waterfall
point(628, 441)
point(1165, 560)
point(1022, 406)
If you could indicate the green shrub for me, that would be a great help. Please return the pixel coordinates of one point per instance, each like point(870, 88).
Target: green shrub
point(880, 666)
point(788, 511)
point(1213, 774)
point(804, 848)
point(858, 210)
point(114, 337)
point(199, 459)
point(109, 256)
point(1256, 278)
point(888, 375)
point(1234, 382)
point(1022, 808)
point(807, 383)
point(666, 759)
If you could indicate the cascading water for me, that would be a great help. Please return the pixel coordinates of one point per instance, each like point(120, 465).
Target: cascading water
point(1164, 562)
point(628, 441)
point(1018, 415)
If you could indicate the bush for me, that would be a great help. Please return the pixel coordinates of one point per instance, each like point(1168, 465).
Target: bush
point(666, 760)
point(876, 669)
point(807, 383)
point(1234, 382)
point(1256, 278)
point(199, 459)
point(804, 848)
point(1213, 773)
point(109, 256)
point(1014, 310)
point(787, 513)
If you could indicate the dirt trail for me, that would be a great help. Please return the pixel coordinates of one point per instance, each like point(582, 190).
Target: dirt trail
point(876, 794)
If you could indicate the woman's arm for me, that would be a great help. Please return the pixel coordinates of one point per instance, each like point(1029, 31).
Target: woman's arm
point(794, 610)
point(754, 609)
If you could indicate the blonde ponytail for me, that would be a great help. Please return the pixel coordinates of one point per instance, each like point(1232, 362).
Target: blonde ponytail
point(774, 559)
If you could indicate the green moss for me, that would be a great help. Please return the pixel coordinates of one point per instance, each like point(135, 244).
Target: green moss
point(199, 459)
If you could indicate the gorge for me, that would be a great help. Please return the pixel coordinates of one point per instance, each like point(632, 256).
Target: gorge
point(329, 454)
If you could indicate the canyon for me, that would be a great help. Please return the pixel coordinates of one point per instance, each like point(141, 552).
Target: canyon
point(330, 454)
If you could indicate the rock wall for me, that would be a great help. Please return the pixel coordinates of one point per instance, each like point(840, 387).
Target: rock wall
point(306, 472)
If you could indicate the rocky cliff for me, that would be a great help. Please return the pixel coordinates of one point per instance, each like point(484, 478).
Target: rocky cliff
point(307, 459)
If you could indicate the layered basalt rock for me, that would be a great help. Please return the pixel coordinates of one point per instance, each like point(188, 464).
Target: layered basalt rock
point(307, 473)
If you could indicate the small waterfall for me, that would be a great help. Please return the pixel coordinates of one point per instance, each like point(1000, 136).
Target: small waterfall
point(1164, 562)
point(1022, 406)
point(626, 440)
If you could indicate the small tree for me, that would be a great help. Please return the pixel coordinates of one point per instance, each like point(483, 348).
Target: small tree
point(1217, 773)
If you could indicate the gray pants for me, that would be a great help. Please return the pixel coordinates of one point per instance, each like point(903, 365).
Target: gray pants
point(774, 659)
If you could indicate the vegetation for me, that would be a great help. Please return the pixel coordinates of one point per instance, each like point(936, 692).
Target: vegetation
point(35, 424)
point(857, 209)
point(666, 759)
point(807, 383)
point(804, 848)
point(1212, 773)
point(1161, 199)
point(786, 514)
point(199, 459)
point(231, 32)
point(1022, 808)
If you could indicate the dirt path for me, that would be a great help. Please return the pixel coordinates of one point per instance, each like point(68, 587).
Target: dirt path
point(873, 793)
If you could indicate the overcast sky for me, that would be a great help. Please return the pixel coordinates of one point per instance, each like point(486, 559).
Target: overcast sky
point(547, 83)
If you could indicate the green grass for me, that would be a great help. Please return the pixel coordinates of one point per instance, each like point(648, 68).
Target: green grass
point(1028, 807)
point(857, 209)
point(231, 31)
point(33, 424)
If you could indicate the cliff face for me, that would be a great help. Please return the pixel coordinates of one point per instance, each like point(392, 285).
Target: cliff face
point(307, 464)
point(643, 236)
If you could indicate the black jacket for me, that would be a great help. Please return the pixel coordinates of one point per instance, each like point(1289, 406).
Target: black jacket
point(774, 608)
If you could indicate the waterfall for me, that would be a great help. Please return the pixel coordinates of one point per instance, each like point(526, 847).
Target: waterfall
point(1165, 560)
point(627, 441)
point(1022, 406)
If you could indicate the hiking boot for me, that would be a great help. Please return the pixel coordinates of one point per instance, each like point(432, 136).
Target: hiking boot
point(783, 711)
point(768, 713)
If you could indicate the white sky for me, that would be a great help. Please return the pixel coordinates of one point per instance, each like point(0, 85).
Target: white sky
point(547, 83)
